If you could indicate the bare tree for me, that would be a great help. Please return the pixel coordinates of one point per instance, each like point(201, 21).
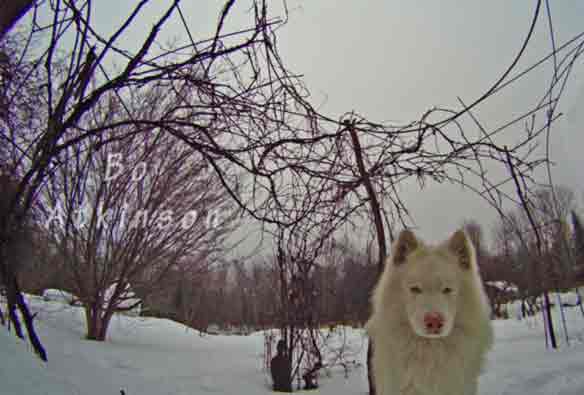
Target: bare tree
point(131, 212)
point(556, 206)
point(534, 239)
point(74, 80)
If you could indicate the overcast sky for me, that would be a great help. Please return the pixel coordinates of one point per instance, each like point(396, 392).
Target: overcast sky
point(392, 60)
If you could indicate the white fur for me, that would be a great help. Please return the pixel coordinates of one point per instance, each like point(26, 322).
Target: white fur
point(406, 359)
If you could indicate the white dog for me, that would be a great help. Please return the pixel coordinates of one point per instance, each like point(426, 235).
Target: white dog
point(430, 324)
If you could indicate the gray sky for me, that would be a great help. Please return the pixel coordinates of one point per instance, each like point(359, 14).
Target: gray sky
point(392, 60)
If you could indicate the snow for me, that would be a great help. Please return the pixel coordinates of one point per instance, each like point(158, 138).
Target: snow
point(570, 299)
point(150, 356)
point(58, 295)
point(502, 285)
point(23, 373)
point(127, 300)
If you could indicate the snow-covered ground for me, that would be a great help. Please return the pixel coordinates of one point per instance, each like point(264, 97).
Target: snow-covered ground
point(146, 356)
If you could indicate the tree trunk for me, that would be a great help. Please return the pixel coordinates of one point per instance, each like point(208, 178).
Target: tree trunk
point(372, 390)
point(16, 300)
point(11, 303)
point(379, 231)
point(97, 323)
point(28, 323)
point(579, 300)
point(549, 323)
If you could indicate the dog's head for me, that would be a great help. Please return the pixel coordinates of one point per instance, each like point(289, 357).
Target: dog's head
point(431, 280)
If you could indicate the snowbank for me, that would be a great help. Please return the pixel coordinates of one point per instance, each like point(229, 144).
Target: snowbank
point(21, 372)
point(128, 302)
point(58, 295)
point(149, 356)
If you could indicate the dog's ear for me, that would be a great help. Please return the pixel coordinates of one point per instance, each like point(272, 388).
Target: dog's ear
point(462, 248)
point(406, 243)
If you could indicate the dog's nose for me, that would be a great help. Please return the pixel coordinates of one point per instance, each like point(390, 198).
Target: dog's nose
point(433, 322)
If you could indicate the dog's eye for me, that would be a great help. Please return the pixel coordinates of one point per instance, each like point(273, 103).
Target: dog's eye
point(416, 290)
point(447, 291)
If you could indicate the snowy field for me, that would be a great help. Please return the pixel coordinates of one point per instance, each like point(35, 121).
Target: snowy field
point(147, 356)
